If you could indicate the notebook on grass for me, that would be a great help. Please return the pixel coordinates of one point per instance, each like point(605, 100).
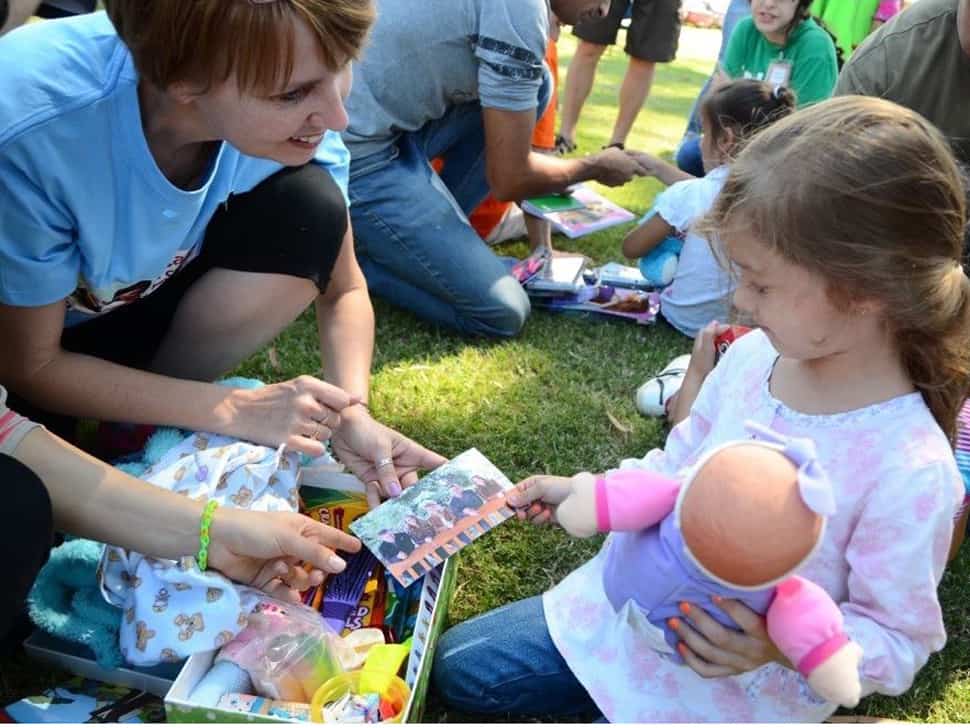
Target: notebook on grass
point(597, 213)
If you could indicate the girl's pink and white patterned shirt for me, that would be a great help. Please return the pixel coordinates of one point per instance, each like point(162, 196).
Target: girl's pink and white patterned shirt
point(897, 488)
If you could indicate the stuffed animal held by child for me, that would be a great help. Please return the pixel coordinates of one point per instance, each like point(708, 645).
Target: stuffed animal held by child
point(747, 516)
point(660, 264)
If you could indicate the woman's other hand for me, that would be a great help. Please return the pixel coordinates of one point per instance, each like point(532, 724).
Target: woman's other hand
point(301, 413)
point(384, 459)
point(280, 553)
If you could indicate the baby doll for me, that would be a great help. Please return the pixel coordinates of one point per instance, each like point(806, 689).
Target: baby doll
point(744, 519)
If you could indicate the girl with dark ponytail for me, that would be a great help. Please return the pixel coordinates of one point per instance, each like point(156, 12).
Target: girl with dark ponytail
point(698, 290)
point(781, 44)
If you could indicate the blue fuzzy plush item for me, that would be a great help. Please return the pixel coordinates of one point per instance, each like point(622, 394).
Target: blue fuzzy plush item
point(66, 601)
point(660, 264)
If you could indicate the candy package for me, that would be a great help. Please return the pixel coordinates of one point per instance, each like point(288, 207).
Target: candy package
point(287, 650)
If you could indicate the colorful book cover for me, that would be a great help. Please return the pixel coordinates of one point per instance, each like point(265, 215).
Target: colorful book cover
point(436, 517)
point(560, 274)
point(639, 306)
point(597, 213)
point(80, 700)
point(540, 206)
point(622, 276)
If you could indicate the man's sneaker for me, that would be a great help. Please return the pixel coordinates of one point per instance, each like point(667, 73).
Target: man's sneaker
point(653, 395)
point(564, 146)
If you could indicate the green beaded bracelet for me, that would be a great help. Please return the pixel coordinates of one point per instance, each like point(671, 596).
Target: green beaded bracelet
point(203, 558)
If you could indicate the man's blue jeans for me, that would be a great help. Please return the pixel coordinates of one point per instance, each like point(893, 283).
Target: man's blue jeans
point(504, 661)
point(413, 239)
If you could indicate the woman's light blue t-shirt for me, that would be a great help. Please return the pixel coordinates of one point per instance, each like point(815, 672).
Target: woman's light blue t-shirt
point(85, 213)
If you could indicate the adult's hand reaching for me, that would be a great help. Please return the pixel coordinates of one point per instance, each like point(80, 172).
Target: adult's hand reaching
point(271, 551)
point(301, 413)
point(615, 167)
point(384, 459)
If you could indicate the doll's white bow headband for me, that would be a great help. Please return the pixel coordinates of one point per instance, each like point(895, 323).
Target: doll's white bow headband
point(813, 483)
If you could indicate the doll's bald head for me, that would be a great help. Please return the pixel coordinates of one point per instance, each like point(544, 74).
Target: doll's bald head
point(743, 517)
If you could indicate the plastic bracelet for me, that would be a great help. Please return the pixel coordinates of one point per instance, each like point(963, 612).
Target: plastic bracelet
point(203, 557)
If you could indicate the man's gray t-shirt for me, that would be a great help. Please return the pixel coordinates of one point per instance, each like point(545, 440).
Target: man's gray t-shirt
point(426, 56)
point(917, 61)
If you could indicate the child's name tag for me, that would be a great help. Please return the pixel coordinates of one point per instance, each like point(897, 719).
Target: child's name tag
point(778, 73)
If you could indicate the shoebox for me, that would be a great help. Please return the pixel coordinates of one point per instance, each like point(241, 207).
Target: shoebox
point(434, 600)
point(79, 660)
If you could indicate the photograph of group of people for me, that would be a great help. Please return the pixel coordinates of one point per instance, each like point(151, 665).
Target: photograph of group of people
point(436, 517)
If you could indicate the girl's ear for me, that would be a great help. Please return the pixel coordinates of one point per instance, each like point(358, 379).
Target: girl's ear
point(726, 141)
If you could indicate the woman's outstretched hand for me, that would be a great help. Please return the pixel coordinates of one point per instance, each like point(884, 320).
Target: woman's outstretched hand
point(280, 553)
point(384, 459)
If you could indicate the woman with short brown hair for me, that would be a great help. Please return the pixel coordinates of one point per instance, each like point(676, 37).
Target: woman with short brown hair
point(174, 196)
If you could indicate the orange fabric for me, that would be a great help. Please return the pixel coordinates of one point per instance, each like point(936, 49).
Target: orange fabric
point(486, 217)
point(544, 136)
point(489, 214)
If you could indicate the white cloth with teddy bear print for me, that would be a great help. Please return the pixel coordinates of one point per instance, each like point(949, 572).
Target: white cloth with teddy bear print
point(171, 609)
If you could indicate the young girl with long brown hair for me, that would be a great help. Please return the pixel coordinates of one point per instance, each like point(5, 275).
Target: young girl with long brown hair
point(844, 223)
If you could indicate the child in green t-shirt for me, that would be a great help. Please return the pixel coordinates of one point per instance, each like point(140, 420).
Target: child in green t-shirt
point(779, 44)
point(785, 49)
point(852, 20)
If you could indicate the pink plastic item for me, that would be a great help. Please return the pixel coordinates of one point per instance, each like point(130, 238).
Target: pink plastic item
point(887, 9)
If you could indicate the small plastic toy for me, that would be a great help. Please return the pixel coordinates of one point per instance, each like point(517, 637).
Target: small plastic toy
point(748, 515)
point(724, 340)
point(344, 699)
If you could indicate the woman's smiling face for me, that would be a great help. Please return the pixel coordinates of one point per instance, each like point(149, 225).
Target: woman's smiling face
point(285, 124)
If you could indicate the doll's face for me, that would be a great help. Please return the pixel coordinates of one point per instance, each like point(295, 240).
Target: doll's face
point(743, 517)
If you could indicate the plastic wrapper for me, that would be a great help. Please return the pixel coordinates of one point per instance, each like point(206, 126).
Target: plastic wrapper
point(287, 650)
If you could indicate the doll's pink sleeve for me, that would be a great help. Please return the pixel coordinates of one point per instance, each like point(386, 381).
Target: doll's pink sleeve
point(632, 500)
point(887, 9)
point(805, 624)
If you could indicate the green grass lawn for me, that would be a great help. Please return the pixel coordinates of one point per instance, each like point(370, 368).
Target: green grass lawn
point(558, 399)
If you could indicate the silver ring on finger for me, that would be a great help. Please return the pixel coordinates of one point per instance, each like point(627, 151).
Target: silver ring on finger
point(383, 463)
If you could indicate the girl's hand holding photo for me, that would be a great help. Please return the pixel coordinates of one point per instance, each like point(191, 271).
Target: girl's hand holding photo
point(536, 498)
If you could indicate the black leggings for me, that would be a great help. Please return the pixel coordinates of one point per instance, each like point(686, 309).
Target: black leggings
point(26, 536)
point(291, 223)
